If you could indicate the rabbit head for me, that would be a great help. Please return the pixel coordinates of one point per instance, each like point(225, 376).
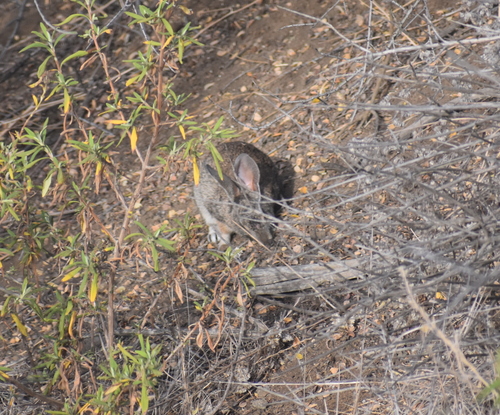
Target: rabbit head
point(247, 215)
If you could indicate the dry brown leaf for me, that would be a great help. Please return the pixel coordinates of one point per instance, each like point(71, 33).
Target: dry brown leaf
point(199, 339)
point(178, 291)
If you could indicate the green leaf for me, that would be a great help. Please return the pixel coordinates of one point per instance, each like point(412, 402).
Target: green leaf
point(35, 45)
point(168, 26)
point(5, 306)
point(250, 280)
point(62, 321)
point(136, 18)
point(154, 253)
point(153, 43)
point(70, 18)
point(144, 229)
point(167, 244)
point(144, 398)
point(180, 46)
point(133, 235)
point(69, 307)
point(488, 389)
point(217, 255)
point(74, 55)
point(13, 213)
point(43, 65)
point(30, 165)
point(60, 176)
point(127, 354)
point(46, 184)
point(217, 159)
point(218, 123)
point(61, 37)
point(45, 32)
point(185, 29)
point(133, 15)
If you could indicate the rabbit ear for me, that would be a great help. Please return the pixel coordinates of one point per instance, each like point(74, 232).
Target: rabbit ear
point(226, 182)
point(247, 172)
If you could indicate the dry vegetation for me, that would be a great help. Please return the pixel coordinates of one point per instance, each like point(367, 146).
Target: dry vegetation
point(383, 118)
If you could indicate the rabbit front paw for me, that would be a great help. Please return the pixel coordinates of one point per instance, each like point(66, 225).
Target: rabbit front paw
point(212, 235)
point(220, 238)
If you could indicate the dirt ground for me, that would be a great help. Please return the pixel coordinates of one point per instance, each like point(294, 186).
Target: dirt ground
point(265, 66)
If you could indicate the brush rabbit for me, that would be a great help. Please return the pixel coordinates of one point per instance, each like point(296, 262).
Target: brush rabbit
point(242, 201)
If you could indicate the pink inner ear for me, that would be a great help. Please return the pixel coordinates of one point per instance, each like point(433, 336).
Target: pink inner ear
point(247, 174)
point(247, 177)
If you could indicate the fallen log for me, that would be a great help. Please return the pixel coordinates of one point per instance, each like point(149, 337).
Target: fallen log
point(285, 279)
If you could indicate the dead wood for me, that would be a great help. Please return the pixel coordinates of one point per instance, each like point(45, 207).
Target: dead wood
point(280, 280)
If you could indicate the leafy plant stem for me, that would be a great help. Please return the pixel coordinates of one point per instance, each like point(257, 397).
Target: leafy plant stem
point(127, 217)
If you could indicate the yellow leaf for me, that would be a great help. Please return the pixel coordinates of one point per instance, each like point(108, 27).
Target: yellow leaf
point(186, 10)
point(71, 274)
point(20, 326)
point(98, 168)
point(67, 101)
point(440, 296)
point(93, 289)
point(35, 84)
point(112, 388)
point(83, 222)
point(133, 139)
point(299, 356)
point(85, 408)
point(35, 100)
point(71, 323)
point(183, 133)
point(167, 42)
point(131, 81)
point(196, 172)
point(116, 122)
point(303, 190)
